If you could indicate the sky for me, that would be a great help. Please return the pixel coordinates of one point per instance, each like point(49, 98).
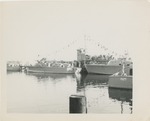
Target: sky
point(55, 30)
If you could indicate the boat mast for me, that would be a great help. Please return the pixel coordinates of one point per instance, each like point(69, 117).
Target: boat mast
point(84, 67)
point(85, 48)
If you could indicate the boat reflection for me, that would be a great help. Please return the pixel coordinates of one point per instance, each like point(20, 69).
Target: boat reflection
point(12, 72)
point(123, 95)
point(90, 80)
point(47, 76)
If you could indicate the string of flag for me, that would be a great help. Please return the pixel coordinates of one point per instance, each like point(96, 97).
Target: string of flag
point(99, 44)
point(63, 48)
point(87, 39)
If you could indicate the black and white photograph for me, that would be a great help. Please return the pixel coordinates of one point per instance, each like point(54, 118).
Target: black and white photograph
point(74, 57)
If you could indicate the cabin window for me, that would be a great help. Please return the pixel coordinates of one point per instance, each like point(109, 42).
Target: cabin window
point(131, 71)
point(128, 64)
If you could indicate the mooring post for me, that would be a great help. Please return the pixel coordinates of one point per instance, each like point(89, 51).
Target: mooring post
point(77, 104)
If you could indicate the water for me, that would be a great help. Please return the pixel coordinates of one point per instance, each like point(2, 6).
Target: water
point(49, 93)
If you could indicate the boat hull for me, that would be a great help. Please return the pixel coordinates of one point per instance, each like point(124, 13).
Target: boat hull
point(103, 69)
point(124, 82)
point(54, 70)
point(16, 68)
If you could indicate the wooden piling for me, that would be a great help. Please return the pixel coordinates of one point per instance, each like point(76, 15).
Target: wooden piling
point(77, 104)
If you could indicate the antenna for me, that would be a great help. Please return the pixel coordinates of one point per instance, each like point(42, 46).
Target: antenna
point(85, 37)
point(85, 42)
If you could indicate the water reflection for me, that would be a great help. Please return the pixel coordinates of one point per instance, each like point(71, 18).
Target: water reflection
point(49, 93)
point(95, 88)
point(93, 80)
point(122, 95)
point(48, 76)
point(39, 93)
point(12, 72)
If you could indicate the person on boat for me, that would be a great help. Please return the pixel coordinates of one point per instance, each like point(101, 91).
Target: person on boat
point(123, 70)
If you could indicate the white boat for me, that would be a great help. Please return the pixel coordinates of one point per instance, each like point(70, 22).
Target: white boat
point(55, 68)
point(13, 66)
point(113, 66)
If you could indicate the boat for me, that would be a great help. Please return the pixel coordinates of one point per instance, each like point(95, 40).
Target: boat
point(96, 79)
point(112, 67)
point(13, 66)
point(123, 82)
point(51, 67)
point(121, 79)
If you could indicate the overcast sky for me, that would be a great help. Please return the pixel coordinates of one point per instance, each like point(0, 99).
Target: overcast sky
point(47, 28)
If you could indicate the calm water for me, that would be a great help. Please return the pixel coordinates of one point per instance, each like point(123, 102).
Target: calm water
point(49, 93)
